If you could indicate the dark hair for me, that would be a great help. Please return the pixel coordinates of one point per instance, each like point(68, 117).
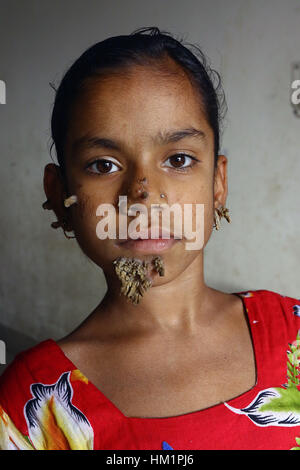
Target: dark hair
point(142, 46)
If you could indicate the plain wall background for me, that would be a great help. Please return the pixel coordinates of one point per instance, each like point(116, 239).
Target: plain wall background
point(47, 286)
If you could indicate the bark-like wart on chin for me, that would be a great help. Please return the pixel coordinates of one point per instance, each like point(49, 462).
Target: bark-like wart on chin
point(133, 274)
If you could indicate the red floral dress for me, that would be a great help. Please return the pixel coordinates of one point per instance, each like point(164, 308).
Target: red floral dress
point(47, 403)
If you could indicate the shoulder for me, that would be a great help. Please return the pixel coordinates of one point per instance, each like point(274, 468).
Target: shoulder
point(43, 363)
point(273, 301)
point(278, 314)
point(35, 363)
point(36, 401)
point(25, 365)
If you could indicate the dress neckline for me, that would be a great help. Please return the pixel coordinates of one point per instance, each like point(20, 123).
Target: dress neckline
point(249, 313)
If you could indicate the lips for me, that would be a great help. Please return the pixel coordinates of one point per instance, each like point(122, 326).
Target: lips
point(163, 234)
point(148, 245)
point(144, 243)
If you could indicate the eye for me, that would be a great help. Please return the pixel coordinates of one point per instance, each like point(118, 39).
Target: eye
point(101, 166)
point(182, 161)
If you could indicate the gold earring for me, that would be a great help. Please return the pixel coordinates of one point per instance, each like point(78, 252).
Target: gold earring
point(219, 213)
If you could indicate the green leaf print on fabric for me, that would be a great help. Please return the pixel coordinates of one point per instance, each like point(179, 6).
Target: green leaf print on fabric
point(297, 439)
point(278, 406)
point(288, 400)
point(289, 397)
point(293, 362)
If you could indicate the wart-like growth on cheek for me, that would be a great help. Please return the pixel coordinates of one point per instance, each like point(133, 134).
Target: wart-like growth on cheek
point(70, 200)
point(133, 274)
point(159, 265)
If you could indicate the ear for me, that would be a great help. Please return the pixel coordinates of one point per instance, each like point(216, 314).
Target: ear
point(55, 190)
point(220, 182)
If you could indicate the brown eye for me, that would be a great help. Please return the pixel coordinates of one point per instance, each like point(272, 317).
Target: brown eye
point(177, 160)
point(181, 161)
point(102, 166)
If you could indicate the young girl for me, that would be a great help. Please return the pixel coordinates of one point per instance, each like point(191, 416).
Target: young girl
point(164, 361)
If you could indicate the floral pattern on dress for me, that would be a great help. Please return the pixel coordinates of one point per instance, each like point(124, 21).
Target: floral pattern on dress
point(296, 310)
point(10, 436)
point(278, 406)
point(53, 422)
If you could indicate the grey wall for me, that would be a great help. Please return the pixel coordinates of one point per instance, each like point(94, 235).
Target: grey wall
point(47, 286)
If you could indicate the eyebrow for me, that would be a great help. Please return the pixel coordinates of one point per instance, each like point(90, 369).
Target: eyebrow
point(162, 138)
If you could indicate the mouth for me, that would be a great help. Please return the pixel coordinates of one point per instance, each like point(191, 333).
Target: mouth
point(148, 246)
point(145, 244)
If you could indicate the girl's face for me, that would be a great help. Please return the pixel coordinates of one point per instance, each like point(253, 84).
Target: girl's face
point(135, 111)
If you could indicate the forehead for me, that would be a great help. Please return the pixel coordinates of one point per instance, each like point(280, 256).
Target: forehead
point(140, 100)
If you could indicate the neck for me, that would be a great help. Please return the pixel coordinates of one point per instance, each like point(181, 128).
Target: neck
point(174, 305)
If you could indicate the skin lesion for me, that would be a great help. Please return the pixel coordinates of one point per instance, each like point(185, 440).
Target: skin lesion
point(133, 274)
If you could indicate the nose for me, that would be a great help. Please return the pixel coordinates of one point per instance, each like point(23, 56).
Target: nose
point(139, 189)
point(143, 188)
